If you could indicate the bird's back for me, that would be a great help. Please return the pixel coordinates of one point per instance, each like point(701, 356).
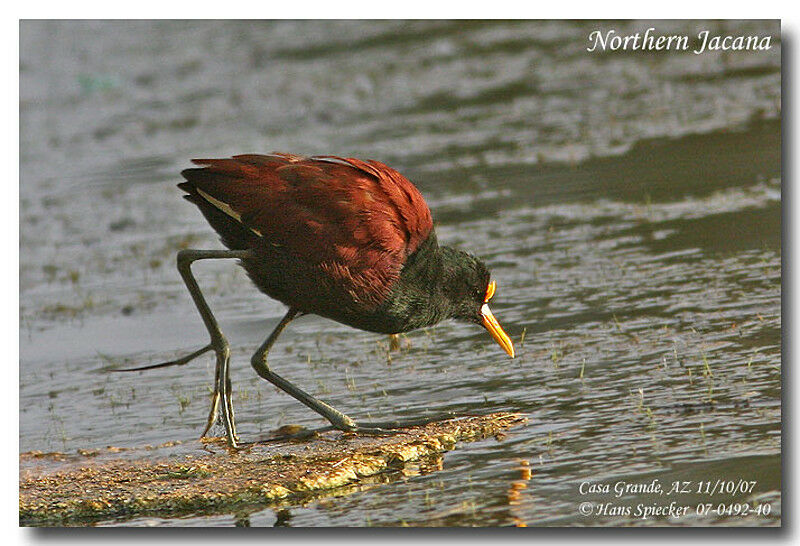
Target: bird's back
point(330, 235)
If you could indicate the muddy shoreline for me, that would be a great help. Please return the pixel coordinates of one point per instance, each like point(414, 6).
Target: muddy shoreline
point(223, 481)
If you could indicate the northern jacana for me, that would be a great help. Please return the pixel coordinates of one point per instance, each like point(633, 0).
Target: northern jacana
point(342, 238)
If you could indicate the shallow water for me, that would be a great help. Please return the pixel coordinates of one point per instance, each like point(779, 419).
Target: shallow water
point(627, 204)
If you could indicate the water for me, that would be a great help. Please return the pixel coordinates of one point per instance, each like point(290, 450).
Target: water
point(628, 205)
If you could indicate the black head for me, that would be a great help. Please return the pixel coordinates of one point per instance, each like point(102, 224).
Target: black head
point(468, 288)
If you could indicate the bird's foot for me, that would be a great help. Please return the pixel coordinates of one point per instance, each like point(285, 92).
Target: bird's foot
point(374, 431)
point(400, 426)
point(177, 362)
point(213, 416)
point(386, 428)
point(357, 429)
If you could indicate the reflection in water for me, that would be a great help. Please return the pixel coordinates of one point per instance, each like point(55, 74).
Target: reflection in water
point(628, 206)
point(282, 517)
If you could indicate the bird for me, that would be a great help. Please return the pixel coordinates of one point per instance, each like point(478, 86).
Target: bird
point(346, 239)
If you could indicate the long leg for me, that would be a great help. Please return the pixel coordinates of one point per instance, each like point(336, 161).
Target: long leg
point(259, 362)
point(219, 344)
point(337, 419)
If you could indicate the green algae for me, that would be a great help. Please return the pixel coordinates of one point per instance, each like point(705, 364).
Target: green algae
point(262, 474)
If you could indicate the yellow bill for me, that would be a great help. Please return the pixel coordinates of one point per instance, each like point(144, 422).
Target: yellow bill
point(491, 324)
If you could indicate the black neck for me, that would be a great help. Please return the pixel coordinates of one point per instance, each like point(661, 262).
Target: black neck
point(416, 300)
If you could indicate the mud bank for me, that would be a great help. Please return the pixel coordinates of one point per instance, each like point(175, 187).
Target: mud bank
point(262, 473)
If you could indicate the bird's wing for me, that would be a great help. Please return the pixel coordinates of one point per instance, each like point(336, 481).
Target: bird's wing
point(357, 220)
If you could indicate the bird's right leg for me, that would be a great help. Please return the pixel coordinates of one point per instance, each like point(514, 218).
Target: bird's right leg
point(218, 343)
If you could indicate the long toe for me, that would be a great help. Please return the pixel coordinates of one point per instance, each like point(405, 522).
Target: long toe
point(406, 424)
point(377, 431)
point(212, 415)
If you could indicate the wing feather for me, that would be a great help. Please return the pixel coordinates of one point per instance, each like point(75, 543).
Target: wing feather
point(349, 224)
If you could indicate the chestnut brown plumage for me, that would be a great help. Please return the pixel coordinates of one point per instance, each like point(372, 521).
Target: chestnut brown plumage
point(346, 239)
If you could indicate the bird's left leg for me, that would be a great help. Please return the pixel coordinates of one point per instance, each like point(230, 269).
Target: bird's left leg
point(259, 362)
point(338, 420)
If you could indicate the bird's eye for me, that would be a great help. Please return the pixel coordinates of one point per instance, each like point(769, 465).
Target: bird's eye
point(490, 291)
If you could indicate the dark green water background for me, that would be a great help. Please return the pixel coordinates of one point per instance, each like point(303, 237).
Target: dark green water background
point(628, 204)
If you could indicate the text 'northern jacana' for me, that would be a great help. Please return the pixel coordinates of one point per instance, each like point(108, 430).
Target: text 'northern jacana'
point(346, 239)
